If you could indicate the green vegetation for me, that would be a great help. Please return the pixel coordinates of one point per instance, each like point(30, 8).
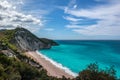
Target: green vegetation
point(6, 36)
point(12, 68)
point(48, 41)
point(93, 72)
point(21, 67)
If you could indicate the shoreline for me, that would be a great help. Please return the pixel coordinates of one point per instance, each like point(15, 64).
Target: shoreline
point(52, 70)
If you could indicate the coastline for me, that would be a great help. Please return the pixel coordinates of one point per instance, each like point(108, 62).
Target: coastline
point(52, 70)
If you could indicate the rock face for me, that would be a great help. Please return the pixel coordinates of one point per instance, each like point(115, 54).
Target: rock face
point(25, 40)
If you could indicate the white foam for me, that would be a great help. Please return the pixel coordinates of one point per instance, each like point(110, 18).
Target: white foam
point(67, 70)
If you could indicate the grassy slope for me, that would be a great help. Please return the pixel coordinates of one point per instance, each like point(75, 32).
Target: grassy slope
point(6, 36)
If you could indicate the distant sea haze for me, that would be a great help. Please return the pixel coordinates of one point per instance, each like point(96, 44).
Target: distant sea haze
point(75, 55)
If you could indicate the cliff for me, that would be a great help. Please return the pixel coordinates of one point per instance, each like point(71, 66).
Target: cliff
point(24, 40)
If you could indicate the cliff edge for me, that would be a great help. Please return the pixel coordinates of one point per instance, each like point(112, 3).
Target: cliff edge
point(24, 40)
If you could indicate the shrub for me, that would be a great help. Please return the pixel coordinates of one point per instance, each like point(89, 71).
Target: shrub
point(93, 72)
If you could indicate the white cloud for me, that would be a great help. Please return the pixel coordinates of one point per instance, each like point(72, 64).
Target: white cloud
point(75, 6)
point(96, 12)
point(73, 26)
point(108, 19)
point(72, 3)
point(11, 18)
point(71, 19)
point(49, 29)
point(97, 30)
point(39, 12)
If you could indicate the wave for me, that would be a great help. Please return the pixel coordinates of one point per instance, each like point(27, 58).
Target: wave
point(67, 70)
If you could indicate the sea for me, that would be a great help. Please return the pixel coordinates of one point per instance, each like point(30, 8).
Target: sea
point(74, 56)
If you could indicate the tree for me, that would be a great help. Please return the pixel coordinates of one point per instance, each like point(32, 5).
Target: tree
point(93, 72)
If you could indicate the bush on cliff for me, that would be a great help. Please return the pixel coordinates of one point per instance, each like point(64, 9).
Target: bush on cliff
point(93, 72)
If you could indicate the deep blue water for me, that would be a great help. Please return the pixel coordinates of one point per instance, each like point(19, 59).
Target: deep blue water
point(77, 54)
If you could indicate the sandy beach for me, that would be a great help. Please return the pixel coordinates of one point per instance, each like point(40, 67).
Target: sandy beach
point(52, 69)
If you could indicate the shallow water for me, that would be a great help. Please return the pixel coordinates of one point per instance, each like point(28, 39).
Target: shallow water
point(76, 55)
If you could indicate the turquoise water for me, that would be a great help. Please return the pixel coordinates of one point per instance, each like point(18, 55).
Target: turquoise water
point(76, 55)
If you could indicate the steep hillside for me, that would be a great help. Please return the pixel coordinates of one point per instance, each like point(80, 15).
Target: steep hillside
point(24, 40)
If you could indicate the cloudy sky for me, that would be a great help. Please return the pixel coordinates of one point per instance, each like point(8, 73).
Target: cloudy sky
point(63, 19)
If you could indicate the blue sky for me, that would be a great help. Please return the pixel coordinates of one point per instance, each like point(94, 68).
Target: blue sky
point(67, 19)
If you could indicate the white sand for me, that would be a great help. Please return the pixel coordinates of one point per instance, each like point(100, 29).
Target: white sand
point(51, 69)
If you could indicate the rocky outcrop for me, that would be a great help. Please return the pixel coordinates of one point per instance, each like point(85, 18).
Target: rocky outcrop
point(25, 40)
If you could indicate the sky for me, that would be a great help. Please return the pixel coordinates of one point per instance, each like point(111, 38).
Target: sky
point(63, 19)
